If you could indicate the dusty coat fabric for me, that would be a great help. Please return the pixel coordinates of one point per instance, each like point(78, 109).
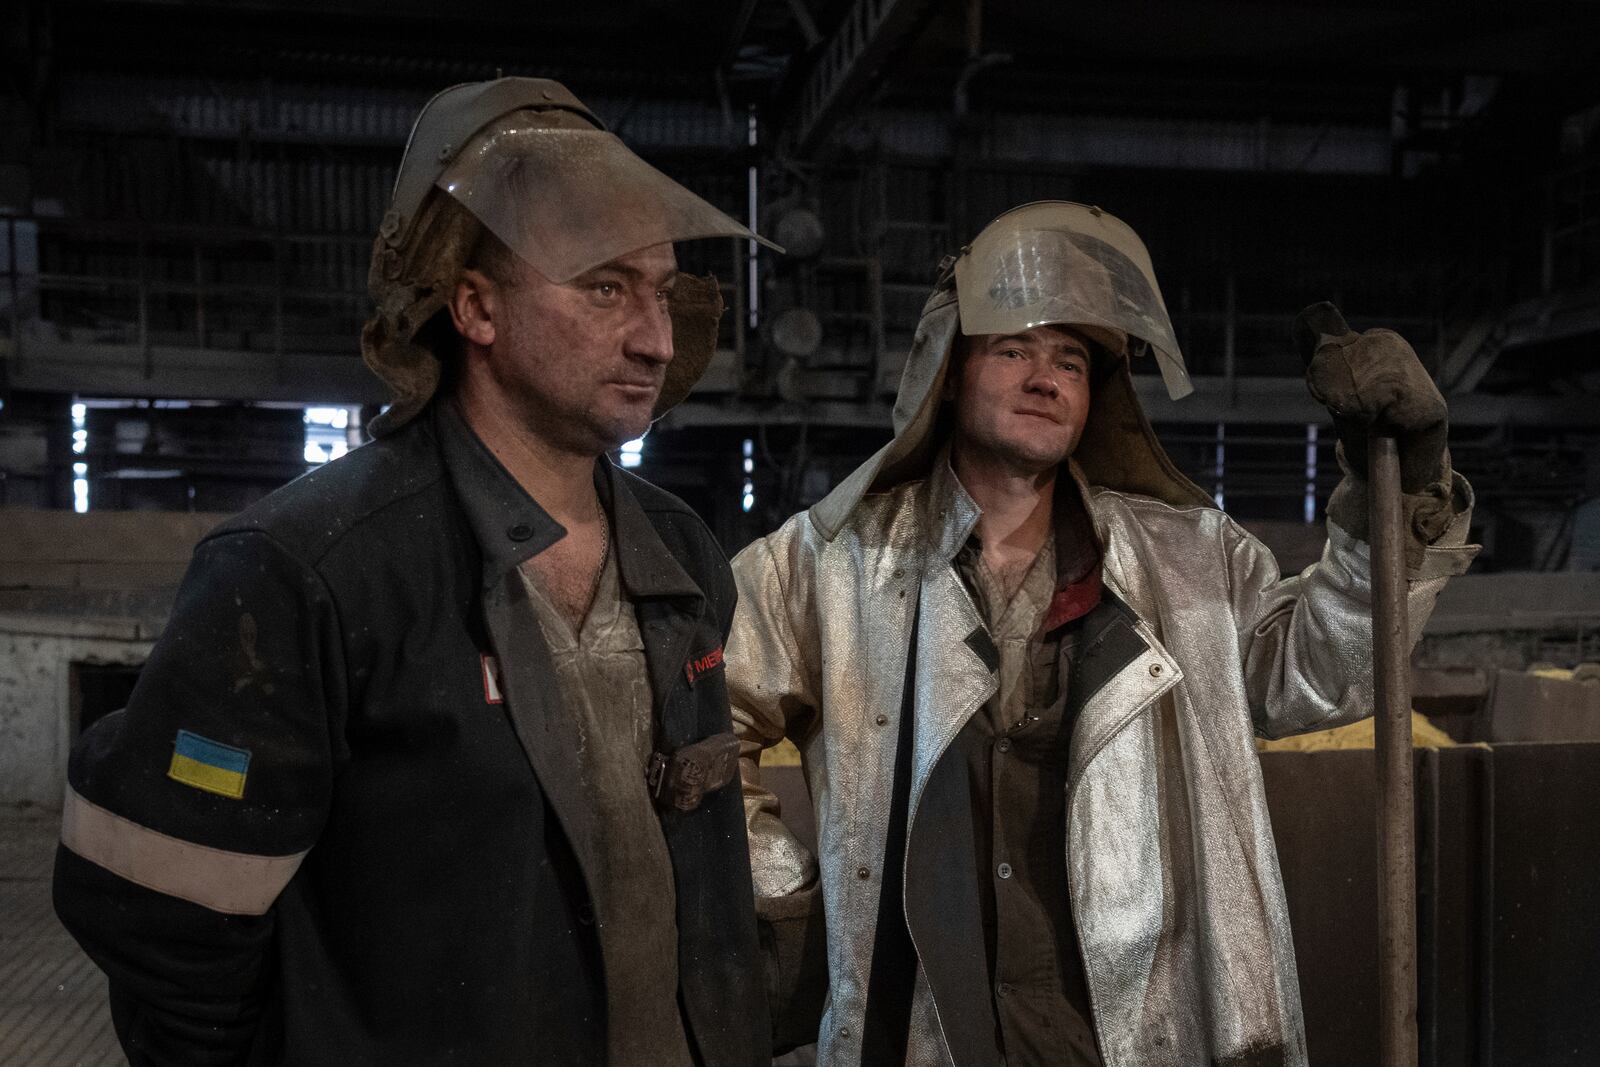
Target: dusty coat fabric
point(1172, 871)
point(440, 897)
point(1199, 645)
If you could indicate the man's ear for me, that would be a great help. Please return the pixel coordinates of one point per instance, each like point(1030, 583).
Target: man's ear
point(473, 305)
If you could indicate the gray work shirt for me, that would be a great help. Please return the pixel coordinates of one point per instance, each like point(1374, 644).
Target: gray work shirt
point(603, 682)
point(1017, 747)
point(601, 671)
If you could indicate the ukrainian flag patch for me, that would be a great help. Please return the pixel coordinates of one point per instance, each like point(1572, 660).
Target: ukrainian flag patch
point(208, 765)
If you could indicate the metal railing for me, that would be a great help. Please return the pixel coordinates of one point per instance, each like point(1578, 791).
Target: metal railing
point(148, 302)
point(208, 287)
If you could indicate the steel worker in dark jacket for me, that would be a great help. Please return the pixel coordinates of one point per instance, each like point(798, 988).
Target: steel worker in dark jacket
point(433, 761)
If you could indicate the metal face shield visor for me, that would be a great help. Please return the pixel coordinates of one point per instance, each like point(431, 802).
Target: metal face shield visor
point(1055, 262)
point(570, 200)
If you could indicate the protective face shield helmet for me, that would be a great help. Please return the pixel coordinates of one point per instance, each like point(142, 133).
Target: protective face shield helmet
point(567, 200)
point(1054, 262)
point(524, 159)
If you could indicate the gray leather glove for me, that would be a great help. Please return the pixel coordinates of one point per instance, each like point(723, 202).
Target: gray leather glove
point(1373, 379)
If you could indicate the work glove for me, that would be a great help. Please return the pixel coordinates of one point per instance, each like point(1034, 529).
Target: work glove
point(1374, 379)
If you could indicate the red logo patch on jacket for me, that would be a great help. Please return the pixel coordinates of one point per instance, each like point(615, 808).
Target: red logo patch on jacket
point(491, 680)
point(702, 664)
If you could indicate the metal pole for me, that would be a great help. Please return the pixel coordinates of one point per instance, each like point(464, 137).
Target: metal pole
point(199, 297)
point(1397, 882)
point(17, 325)
point(875, 297)
point(741, 279)
point(1229, 324)
point(280, 373)
point(144, 311)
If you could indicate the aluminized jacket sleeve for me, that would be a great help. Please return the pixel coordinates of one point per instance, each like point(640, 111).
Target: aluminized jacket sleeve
point(773, 690)
point(1302, 637)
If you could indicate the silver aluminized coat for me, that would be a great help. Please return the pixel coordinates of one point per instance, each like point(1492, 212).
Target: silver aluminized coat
point(1173, 873)
point(1170, 858)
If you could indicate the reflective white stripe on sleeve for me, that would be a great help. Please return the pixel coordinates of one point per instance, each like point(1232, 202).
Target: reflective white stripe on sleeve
point(235, 883)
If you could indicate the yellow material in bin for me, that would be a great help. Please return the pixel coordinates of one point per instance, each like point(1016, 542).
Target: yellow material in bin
point(1540, 670)
point(782, 754)
point(1583, 672)
point(1357, 735)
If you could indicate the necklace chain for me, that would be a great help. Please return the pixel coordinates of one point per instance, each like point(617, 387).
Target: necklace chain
point(605, 554)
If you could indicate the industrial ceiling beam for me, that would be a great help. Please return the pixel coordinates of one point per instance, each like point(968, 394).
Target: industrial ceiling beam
point(1260, 400)
point(180, 373)
point(1286, 400)
point(1538, 320)
point(848, 64)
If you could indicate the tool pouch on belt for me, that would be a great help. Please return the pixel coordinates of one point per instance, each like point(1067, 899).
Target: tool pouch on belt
point(681, 779)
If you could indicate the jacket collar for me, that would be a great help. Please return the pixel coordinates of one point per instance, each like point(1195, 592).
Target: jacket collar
point(647, 568)
point(508, 524)
point(511, 527)
point(951, 514)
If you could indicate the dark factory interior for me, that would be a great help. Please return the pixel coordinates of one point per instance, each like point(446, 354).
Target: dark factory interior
point(189, 195)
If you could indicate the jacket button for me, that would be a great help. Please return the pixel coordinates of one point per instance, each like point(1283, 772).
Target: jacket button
point(863, 872)
point(1004, 744)
point(586, 915)
point(882, 720)
point(520, 531)
point(1004, 870)
point(1002, 990)
point(844, 1032)
point(1155, 670)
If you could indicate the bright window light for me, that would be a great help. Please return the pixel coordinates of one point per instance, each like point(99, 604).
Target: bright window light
point(80, 470)
point(633, 452)
point(748, 499)
point(80, 430)
point(338, 418)
point(327, 434)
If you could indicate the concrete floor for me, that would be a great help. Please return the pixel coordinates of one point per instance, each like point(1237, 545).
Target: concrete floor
point(52, 999)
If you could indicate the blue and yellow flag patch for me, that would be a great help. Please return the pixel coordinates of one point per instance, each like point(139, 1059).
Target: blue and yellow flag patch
point(208, 765)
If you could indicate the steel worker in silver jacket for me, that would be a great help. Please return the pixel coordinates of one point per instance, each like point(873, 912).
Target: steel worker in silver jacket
point(1025, 661)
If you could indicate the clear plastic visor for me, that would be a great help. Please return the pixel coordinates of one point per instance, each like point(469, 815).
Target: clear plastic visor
point(568, 201)
point(1013, 279)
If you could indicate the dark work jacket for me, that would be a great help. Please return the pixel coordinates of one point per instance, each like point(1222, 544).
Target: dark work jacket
point(334, 641)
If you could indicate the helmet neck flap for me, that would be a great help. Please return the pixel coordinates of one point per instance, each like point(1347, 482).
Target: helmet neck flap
point(524, 160)
point(1118, 449)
